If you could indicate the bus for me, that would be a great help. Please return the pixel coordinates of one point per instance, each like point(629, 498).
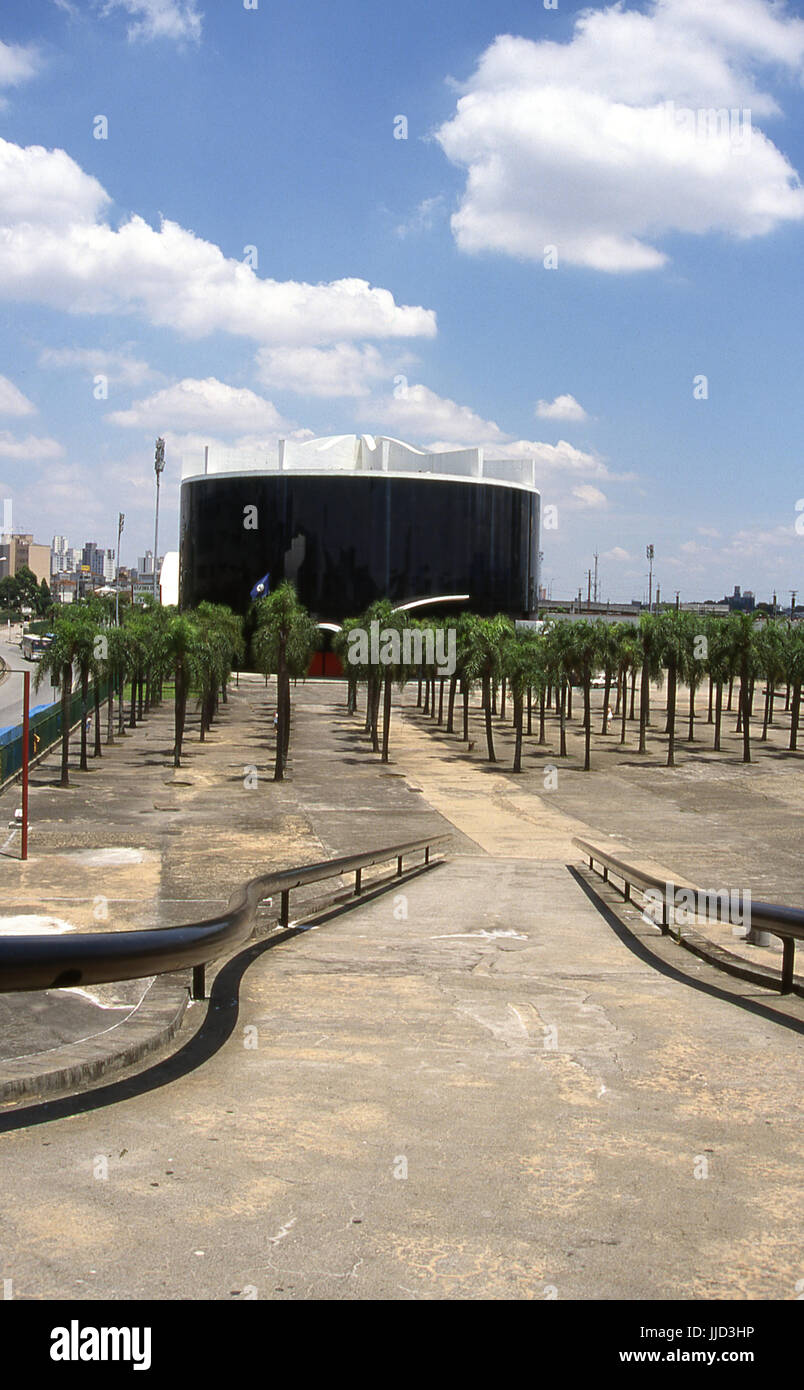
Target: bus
point(32, 646)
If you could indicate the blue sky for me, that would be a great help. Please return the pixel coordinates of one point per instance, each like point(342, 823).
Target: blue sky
point(398, 285)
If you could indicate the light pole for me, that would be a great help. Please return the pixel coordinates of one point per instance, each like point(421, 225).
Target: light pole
point(159, 468)
point(121, 521)
point(649, 557)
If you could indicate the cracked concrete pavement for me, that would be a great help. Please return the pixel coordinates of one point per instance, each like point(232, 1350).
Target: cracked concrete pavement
point(468, 1087)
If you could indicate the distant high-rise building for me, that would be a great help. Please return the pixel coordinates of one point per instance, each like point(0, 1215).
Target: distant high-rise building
point(20, 551)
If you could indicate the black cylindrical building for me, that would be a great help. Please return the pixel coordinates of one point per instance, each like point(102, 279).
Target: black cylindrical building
point(396, 524)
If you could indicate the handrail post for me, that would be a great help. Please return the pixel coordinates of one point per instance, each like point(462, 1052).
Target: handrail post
point(199, 982)
point(427, 854)
point(789, 951)
point(627, 890)
point(399, 866)
point(284, 910)
point(358, 878)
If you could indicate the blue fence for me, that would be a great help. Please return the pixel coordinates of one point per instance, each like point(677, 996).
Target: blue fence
point(44, 731)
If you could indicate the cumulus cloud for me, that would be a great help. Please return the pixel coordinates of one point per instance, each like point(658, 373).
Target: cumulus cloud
point(159, 19)
point(12, 401)
point(562, 408)
point(117, 366)
point(56, 249)
point(418, 412)
point(18, 63)
point(345, 369)
point(30, 449)
point(590, 496)
point(595, 146)
point(195, 405)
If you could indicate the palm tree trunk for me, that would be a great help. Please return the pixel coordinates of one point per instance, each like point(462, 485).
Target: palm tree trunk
point(121, 707)
point(518, 702)
point(97, 752)
point(643, 707)
point(562, 722)
point(465, 692)
point(604, 728)
point(623, 713)
point(795, 708)
point(66, 698)
point(110, 713)
point(502, 699)
point(718, 714)
point(530, 710)
point(672, 683)
point(711, 691)
point(587, 718)
point(453, 686)
point(542, 733)
point(279, 752)
point(769, 688)
point(631, 715)
point(441, 700)
point(83, 764)
point(386, 716)
point(691, 730)
point(745, 702)
point(487, 710)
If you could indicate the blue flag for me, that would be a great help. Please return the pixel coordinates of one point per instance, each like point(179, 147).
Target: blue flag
point(262, 587)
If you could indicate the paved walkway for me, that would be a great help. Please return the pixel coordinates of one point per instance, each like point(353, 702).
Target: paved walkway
point(467, 1087)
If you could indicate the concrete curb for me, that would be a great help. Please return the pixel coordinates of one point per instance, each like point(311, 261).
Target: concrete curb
point(154, 1022)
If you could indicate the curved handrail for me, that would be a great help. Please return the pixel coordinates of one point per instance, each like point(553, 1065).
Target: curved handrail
point(782, 921)
point(94, 958)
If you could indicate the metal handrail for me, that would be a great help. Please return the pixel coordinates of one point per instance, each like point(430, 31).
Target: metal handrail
point(784, 922)
point(94, 958)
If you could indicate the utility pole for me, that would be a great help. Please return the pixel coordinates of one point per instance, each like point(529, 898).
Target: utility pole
point(588, 590)
point(121, 521)
point(649, 556)
point(159, 468)
point(596, 591)
point(658, 597)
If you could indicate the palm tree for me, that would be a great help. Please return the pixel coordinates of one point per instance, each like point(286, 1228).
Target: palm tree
point(483, 664)
point(283, 644)
point(57, 662)
point(793, 647)
point(651, 667)
point(180, 642)
point(743, 646)
point(771, 663)
point(585, 651)
point(521, 668)
point(671, 638)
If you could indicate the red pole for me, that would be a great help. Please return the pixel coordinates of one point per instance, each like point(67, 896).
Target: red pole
point(26, 705)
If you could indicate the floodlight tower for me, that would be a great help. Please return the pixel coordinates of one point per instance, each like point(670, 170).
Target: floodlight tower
point(159, 468)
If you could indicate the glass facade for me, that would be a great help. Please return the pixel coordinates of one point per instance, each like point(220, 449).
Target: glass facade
point(347, 540)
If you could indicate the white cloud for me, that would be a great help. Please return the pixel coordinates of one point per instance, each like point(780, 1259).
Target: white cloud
point(17, 64)
point(590, 496)
point(160, 19)
point(562, 408)
point(427, 213)
point(417, 412)
point(585, 145)
point(12, 401)
point(30, 449)
point(196, 405)
point(117, 366)
point(345, 369)
point(55, 250)
point(617, 554)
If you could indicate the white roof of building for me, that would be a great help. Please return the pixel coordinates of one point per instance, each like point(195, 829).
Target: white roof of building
point(363, 453)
